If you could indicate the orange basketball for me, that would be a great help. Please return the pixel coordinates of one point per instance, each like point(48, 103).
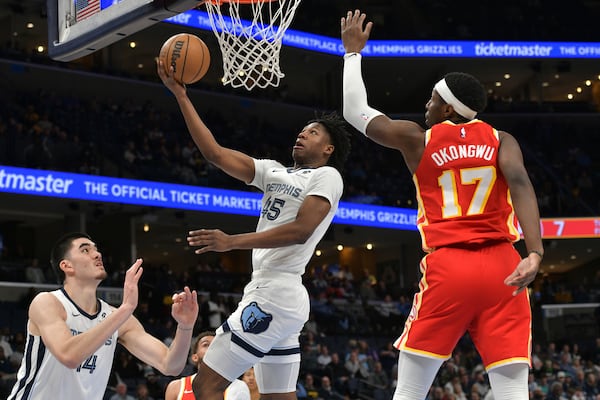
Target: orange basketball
point(188, 55)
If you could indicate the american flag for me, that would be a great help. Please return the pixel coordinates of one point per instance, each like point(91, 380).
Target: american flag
point(86, 8)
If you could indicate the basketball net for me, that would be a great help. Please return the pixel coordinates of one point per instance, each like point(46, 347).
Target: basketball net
point(250, 47)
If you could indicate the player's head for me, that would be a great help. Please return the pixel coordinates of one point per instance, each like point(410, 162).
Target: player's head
point(335, 143)
point(60, 251)
point(200, 345)
point(462, 91)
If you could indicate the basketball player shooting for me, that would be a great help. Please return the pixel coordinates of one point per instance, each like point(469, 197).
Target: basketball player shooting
point(298, 205)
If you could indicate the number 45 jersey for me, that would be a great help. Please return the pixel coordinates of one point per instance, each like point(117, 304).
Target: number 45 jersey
point(462, 195)
point(284, 191)
point(42, 376)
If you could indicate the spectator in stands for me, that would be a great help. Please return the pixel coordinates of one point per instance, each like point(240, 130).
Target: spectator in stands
point(557, 392)
point(142, 392)
point(309, 386)
point(323, 358)
point(121, 392)
point(337, 373)
point(327, 392)
point(156, 387)
point(379, 381)
point(5, 341)
point(34, 272)
point(480, 382)
point(126, 366)
point(591, 385)
point(357, 371)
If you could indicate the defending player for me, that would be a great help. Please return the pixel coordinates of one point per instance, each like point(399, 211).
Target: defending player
point(72, 335)
point(181, 389)
point(468, 177)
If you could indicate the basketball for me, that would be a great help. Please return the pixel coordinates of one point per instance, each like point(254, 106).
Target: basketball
point(188, 55)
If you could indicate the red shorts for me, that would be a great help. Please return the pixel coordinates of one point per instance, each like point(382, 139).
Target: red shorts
point(463, 290)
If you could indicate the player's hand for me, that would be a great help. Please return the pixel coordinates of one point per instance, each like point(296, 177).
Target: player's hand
point(185, 307)
point(210, 240)
point(130, 287)
point(354, 31)
point(524, 274)
point(168, 79)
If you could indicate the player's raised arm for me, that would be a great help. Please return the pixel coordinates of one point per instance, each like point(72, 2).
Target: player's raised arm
point(403, 135)
point(232, 162)
point(48, 319)
point(168, 360)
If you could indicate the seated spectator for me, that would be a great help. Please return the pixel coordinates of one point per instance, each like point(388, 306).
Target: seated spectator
point(327, 392)
point(121, 392)
point(34, 273)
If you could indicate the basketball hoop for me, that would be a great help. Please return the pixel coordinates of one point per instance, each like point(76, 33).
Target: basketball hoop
point(250, 47)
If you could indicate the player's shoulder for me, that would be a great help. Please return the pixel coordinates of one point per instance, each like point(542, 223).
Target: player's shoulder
point(267, 163)
point(44, 299)
point(173, 388)
point(46, 304)
point(328, 170)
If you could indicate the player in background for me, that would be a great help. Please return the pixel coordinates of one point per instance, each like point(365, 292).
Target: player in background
point(72, 334)
point(181, 389)
point(470, 179)
point(298, 205)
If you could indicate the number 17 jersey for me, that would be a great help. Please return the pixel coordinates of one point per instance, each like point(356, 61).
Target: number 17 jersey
point(463, 197)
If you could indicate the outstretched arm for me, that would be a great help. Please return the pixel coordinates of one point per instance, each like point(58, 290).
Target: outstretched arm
point(168, 360)
point(510, 161)
point(405, 136)
point(311, 213)
point(232, 162)
point(47, 318)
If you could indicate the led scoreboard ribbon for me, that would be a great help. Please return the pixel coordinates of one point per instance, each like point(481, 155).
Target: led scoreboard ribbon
point(129, 191)
point(418, 48)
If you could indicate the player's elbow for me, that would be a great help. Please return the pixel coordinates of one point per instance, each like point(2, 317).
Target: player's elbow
point(173, 370)
point(70, 361)
point(301, 235)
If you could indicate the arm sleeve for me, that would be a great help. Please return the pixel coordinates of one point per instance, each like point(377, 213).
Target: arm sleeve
point(356, 110)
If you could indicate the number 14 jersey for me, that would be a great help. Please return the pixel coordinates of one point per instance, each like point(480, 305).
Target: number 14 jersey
point(42, 376)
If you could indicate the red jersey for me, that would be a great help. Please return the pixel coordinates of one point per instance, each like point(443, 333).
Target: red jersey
point(462, 195)
point(185, 389)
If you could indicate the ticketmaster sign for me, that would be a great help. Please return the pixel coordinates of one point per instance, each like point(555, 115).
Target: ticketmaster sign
point(128, 191)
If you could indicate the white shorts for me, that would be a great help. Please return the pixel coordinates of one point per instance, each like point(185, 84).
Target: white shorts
point(264, 328)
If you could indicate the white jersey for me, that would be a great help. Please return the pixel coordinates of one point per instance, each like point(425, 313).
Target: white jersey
point(237, 390)
point(284, 191)
point(42, 376)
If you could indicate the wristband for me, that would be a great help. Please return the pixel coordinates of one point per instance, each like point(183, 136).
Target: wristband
point(539, 253)
point(184, 329)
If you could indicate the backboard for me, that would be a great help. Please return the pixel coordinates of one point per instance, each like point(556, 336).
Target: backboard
point(77, 28)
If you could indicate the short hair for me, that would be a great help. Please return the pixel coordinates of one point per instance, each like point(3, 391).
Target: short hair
point(60, 250)
point(337, 128)
point(200, 336)
point(467, 89)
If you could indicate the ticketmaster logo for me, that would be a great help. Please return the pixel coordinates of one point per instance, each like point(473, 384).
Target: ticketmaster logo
point(490, 49)
point(43, 183)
